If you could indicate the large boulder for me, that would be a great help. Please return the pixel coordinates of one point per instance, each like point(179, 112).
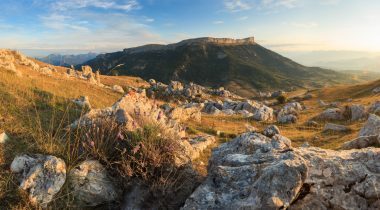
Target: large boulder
point(331, 114)
point(372, 126)
point(91, 185)
point(186, 112)
point(358, 112)
point(257, 172)
point(362, 142)
point(263, 113)
point(42, 176)
point(133, 111)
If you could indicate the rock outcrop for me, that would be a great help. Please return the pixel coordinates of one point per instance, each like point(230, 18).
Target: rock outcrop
point(372, 126)
point(271, 131)
point(41, 176)
point(362, 142)
point(257, 172)
point(91, 185)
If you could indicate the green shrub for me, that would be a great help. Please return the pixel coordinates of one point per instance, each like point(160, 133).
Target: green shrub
point(281, 99)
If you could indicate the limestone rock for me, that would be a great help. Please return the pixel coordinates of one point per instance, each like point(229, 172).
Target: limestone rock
point(3, 138)
point(285, 119)
point(91, 184)
point(42, 176)
point(263, 113)
point(83, 102)
point(358, 112)
point(118, 88)
point(376, 90)
point(257, 172)
point(133, 110)
point(331, 114)
point(375, 108)
point(331, 127)
point(372, 126)
point(199, 144)
point(362, 142)
point(271, 131)
point(186, 112)
point(312, 123)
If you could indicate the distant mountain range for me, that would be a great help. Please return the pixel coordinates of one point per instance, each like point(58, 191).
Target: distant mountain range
point(67, 60)
point(240, 65)
point(339, 60)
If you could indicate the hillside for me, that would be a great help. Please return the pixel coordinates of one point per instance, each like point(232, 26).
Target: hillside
point(156, 142)
point(240, 65)
point(67, 60)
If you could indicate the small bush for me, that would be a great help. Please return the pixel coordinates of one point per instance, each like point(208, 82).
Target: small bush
point(281, 99)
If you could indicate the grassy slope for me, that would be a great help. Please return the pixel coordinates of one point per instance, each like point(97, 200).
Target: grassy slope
point(34, 110)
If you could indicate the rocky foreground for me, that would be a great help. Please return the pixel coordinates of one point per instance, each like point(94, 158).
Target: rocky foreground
point(253, 171)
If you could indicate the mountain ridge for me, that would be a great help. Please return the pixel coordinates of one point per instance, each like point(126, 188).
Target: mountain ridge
point(242, 64)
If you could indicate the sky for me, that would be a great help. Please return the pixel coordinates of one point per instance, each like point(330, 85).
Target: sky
point(111, 25)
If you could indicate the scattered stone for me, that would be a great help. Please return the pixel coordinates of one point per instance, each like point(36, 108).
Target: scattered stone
point(277, 94)
point(312, 123)
point(372, 126)
point(285, 119)
point(263, 113)
point(331, 114)
point(250, 128)
point(362, 142)
point(186, 112)
point(358, 112)
point(330, 127)
point(375, 108)
point(199, 144)
point(118, 88)
point(3, 138)
point(376, 90)
point(91, 184)
point(83, 102)
point(271, 131)
point(42, 176)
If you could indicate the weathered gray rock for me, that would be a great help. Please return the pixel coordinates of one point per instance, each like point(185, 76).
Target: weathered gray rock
point(288, 118)
point(263, 113)
point(372, 126)
point(375, 108)
point(256, 172)
point(41, 176)
point(331, 127)
point(83, 102)
point(358, 112)
point(186, 112)
point(3, 138)
point(199, 144)
point(331, 114)
point(91, 184)
point(362, 142)
point(376, 90)
point(271, 131)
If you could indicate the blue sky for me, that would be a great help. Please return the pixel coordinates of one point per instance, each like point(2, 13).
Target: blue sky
point(109, 25)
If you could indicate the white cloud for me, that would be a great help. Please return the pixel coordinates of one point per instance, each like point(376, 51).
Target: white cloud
point(64, 5)
point(242, 18)
point(217, 22)
point(237, 5)
point(241, 5)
